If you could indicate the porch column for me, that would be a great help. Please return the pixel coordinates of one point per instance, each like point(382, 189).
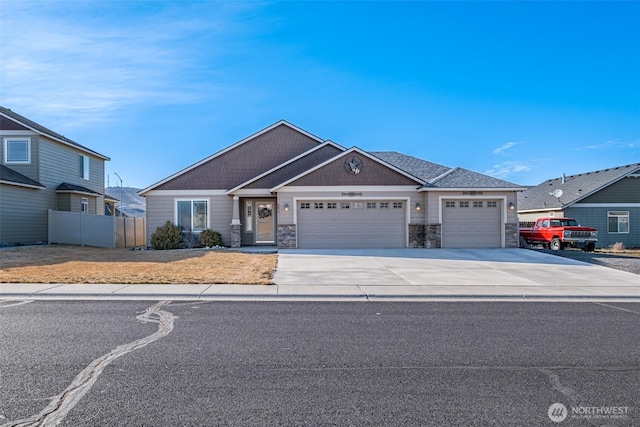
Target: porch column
point(236, 236)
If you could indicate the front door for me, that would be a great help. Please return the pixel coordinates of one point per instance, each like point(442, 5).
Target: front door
point(265, 223)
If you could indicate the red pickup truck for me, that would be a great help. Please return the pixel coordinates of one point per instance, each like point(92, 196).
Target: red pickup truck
point(558, 233)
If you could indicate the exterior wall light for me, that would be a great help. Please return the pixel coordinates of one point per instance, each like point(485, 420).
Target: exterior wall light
point(511, 206)
point(417, 206)
point(286, 206)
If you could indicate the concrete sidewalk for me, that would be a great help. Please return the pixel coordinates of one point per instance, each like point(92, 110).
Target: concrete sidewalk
point(386, 275)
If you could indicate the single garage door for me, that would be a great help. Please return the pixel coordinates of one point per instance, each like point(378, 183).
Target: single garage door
point(351, 224)
point(471, 224)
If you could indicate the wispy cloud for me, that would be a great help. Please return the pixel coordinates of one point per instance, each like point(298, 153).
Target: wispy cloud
point(612, 144)
point(90, 64)
point(504, 147)
point(507, 169)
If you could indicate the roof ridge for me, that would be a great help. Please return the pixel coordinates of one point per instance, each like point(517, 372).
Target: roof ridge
point(447, 173)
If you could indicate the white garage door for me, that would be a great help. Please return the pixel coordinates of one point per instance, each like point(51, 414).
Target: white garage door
point(351, 224)
point(471, 224)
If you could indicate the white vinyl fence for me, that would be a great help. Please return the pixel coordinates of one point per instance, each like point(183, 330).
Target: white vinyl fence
point(75, 228)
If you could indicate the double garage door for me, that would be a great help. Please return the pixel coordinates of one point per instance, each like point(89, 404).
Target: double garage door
point(351, 224)
point(471, 223)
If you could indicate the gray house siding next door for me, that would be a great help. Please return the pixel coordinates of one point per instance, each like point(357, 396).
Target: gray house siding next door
point(351, 224)
point(466, 226)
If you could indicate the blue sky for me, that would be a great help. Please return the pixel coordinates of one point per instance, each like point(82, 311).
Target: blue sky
point(523, 91)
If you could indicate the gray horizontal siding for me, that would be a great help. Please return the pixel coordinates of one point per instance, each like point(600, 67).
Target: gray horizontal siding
point(597, 218)
point(23, 216)
point(161, 208)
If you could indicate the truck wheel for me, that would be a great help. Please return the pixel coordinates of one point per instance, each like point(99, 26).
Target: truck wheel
point(555, 244)
point(590, 247)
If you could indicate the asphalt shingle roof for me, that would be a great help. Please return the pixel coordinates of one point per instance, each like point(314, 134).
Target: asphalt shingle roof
point(29, 123)
point(65, 186)
point(440, 176)
point(574, 188)
point(9, 175)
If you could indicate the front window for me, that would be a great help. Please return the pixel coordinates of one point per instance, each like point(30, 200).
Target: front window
point(618, 221)
point(192, 215)
point(85, 205)
point(17, 150)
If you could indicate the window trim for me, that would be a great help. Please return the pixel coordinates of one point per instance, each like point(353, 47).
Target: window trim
point(176, 219)
point(618, 215)
point(8, 140)
point(84, 205)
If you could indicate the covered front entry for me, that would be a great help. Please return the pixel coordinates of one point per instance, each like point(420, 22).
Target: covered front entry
point(351, 224)
point(259, 222)
point(471, 223)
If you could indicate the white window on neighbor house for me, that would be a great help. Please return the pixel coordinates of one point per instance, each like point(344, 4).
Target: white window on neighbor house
point(305, 205)
point(477, 204)
point(85, 205)
point(492, 204)
point(397, 205)
point(384, 205)
point(332, 205)
point(345, 205)
point(17, 150)
point(84, 167)
point(318, 205)
point(192, 215)
point(449, 204)
point(371, 205)
point(464, 204)
point(358, 205)
point(618, 222)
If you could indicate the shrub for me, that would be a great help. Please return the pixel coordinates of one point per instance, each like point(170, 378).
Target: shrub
point(210, 238)
point(190, 240)
point(167, 236)
point(618, 247)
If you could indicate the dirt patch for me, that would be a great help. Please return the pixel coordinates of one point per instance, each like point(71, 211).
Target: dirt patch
point(76, 264)
point(628, 260)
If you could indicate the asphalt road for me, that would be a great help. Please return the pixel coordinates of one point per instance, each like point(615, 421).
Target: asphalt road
point(84, 363)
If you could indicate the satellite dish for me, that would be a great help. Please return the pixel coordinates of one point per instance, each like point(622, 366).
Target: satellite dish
point(556, 193)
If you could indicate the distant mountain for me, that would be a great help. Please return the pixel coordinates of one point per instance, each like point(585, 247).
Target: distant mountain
point(132, 204)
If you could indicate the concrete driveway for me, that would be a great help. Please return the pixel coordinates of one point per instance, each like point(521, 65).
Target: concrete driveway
point(448, 273)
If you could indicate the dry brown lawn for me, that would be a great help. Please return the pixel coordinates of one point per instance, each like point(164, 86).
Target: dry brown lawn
point(83, 264)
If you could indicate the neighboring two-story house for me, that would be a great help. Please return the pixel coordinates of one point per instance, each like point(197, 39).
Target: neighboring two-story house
point(41, 170)
point(286, 187)
point(606, 199)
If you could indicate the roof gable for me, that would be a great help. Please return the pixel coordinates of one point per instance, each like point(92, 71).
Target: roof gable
point(574, 188)
point(10, 120)
point(242, 161)
point(334, 172)
point(294, 167)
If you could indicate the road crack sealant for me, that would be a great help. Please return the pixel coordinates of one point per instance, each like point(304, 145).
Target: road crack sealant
point(61, 404)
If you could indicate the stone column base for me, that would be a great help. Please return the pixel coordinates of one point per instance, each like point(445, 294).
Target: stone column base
point(287, 236)
point(416, 235)
point(236, 236)
point(433, 236)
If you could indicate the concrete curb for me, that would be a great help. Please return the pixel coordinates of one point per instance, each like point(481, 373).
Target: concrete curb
point(315, 297)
